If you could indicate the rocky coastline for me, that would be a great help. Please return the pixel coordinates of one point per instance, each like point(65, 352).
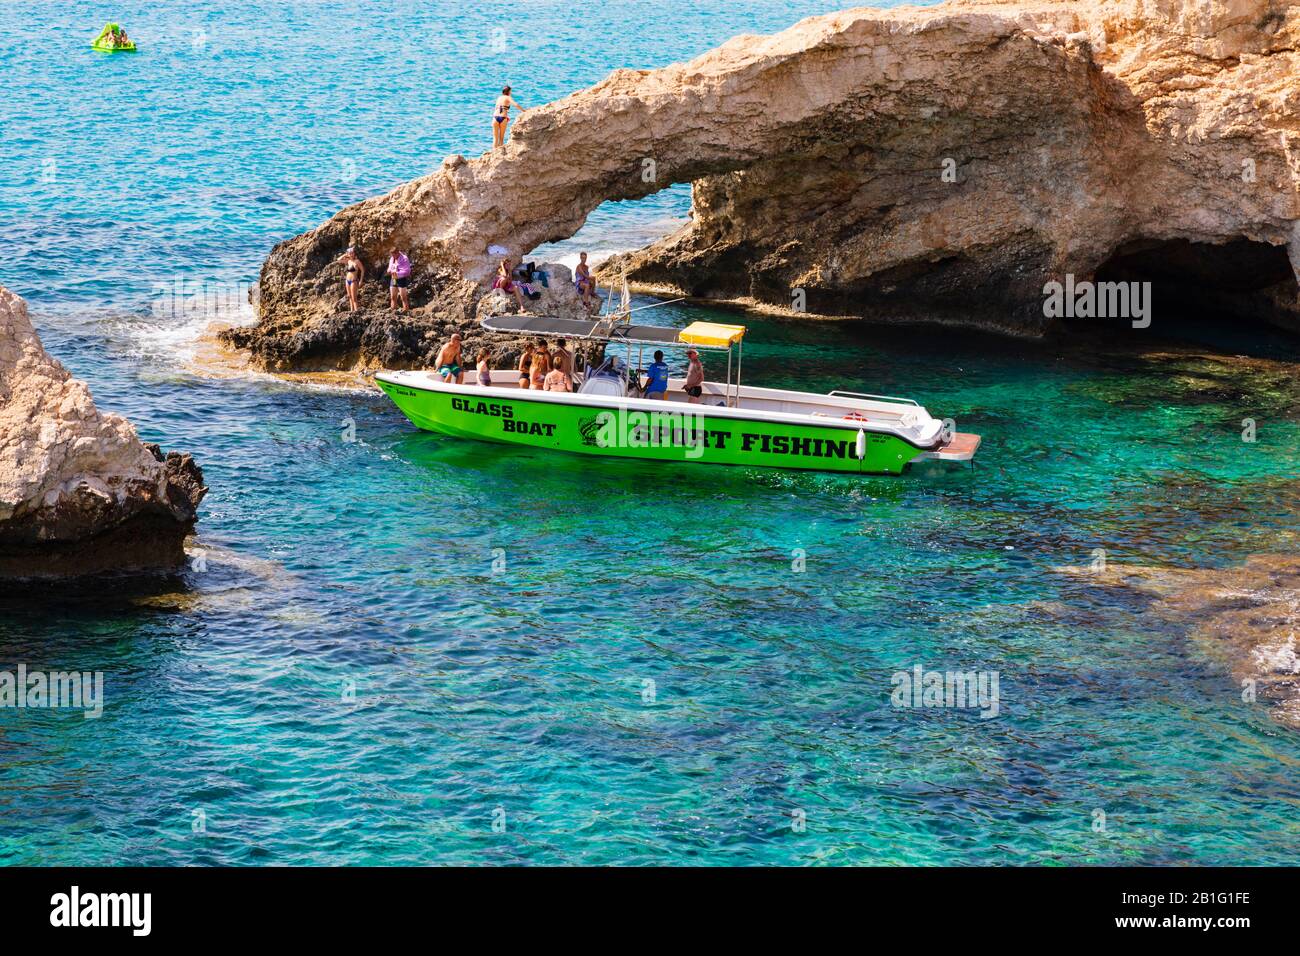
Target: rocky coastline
point(937, 164)
point(79, 492)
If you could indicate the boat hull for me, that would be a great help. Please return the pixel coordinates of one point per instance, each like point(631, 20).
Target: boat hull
point(620, 429)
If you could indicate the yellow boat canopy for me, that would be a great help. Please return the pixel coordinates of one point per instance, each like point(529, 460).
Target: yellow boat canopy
point(713, 334)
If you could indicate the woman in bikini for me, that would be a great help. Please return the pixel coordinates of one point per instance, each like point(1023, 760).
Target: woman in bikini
point(525, 365)
point(540, 368)
point(353, 275)
point(557, 379)
point(484, 368)
point(501, 117)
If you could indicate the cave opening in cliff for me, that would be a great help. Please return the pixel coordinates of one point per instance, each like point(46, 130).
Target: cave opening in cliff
point(619, 226)
point(1202, 283)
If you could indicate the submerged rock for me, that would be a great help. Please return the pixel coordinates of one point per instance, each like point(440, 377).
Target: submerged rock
point(936, 164)
point(79, 492)
point(1242, 617)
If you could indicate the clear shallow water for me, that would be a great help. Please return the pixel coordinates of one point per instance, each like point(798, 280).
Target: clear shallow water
point(330, 564)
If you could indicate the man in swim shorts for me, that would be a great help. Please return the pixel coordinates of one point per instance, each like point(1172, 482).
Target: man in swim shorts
point(399, 278)
point(448, 361)
point(694, 386)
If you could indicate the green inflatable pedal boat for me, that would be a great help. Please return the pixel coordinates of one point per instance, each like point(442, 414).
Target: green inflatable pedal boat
point(105, 42)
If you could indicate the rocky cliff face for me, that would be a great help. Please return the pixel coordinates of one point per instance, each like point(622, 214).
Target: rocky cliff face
point(938, 164)
point(79, 492)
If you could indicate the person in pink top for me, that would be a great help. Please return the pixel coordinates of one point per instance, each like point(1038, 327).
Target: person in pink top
point(399, 278)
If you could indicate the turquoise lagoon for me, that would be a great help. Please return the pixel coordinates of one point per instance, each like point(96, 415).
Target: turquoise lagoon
point(385, 644)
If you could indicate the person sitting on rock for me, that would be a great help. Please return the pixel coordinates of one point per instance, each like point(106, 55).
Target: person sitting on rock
point(506, 284)
point(353, 275)
point(448, 361)
point(399, 272)
point(586, 282)
point(557, 380)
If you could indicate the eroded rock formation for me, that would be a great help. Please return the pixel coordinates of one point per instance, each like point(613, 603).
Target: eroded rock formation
point(936, 164)
point(79, 492)
point(1242, 618)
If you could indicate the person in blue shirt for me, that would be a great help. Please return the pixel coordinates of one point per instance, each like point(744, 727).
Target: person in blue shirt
point(656, 382)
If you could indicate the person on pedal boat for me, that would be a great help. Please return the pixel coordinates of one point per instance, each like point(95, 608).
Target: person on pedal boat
point(449, 359)
point(656, 383)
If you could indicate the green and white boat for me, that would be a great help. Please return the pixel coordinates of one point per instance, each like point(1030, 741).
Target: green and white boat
point(729, 424)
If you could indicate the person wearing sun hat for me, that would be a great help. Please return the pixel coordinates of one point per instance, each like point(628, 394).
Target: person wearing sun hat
point(694, 386)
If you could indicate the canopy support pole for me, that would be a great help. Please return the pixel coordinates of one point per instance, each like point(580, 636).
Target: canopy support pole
point(726, 396)
point(740, 358)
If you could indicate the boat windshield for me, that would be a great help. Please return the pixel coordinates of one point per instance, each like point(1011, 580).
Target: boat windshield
point(611, 377)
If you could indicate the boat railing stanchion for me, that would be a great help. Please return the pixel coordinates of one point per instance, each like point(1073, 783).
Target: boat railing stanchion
point(726, 395)
point(740, 359)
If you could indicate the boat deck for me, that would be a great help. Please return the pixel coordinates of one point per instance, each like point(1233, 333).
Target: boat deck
point(895, 412)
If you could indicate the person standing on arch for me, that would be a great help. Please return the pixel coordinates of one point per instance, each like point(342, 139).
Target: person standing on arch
point(501, 117)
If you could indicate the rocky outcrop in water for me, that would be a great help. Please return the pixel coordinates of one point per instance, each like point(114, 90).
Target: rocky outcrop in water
point(1243, 618)
point(937, 164)
point(79, 492)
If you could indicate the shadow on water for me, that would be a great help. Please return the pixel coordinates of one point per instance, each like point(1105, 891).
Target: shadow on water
point(600, 478)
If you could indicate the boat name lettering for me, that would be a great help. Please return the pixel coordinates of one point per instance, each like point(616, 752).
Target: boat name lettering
point(482, 408)
point(520, 427)
point(803, 447)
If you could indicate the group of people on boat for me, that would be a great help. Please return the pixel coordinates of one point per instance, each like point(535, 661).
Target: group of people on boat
point(656, 383)
point(549, 368)
point(541, 366)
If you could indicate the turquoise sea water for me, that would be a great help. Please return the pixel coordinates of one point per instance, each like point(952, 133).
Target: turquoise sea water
point(386, 645)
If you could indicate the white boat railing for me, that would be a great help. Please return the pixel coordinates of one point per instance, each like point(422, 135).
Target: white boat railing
point(838, 393)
